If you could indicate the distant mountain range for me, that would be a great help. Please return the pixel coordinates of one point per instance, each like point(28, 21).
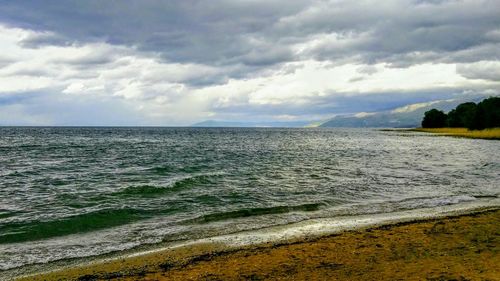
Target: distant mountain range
point(408, 116)
point(216, 123)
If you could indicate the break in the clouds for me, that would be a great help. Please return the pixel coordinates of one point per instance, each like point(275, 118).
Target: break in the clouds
point(179, 62)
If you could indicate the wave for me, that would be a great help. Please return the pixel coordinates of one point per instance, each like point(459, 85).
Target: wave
point(21, 232)
point(167, 169)
point(255, 212)
point(177, 185)
point(426, 202)
point(6, 213)
point(36, 230)
point(162, 170)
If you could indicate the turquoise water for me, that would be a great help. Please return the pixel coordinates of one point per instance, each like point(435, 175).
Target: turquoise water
point(75, 192)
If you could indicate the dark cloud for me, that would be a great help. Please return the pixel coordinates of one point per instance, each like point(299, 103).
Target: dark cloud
point(87, 60)
point(345, 103)
point(481, 70)
point(267, 56)
point(5, 61)
point(357, 79)
point(369, 70)
point(35, 72)
point(184, 31)
point(138, 49)
point(44, 39)
point(263, 32)
point(397, 31)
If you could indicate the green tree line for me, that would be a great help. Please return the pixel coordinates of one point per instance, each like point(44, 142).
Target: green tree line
point(485, 114)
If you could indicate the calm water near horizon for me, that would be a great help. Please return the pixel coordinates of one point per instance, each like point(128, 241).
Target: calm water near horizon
point(75, 192)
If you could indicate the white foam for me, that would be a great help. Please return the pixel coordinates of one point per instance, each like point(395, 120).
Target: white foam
point(326, 226)
point(308, 229)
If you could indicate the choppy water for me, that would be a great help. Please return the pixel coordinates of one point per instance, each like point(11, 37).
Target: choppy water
point(74, 192)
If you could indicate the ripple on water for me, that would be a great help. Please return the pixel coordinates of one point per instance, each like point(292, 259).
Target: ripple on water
point(140, 185)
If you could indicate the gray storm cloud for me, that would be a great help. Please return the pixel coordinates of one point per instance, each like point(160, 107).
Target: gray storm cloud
point(263, 32)
point(178, 53)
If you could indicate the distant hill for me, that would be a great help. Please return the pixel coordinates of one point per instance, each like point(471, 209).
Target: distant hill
point(216, 123)
point(404, 117)
point(408, 116)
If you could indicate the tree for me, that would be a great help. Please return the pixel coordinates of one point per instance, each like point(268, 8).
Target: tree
point(486, 115)
point(434, 119)
point(462, 116)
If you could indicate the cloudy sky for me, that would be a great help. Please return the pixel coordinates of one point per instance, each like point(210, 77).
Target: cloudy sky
point(180, 62)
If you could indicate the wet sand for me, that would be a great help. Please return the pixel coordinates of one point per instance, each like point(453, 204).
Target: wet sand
point(462, 247)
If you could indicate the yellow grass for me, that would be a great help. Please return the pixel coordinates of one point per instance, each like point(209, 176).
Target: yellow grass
point(493, 133)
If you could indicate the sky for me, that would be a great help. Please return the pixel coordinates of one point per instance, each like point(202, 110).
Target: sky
point(175, 63)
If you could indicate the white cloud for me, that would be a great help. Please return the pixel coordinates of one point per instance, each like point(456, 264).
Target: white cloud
point(363, 114)
point(413, 107)
point(157, 89)
point(248, 60)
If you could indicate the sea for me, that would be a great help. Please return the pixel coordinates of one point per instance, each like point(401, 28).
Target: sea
point(75, 192)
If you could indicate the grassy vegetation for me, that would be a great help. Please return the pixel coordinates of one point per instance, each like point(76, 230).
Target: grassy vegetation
point(493, 133)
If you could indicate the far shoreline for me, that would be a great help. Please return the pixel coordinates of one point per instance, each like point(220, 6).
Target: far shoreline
point(487, 134)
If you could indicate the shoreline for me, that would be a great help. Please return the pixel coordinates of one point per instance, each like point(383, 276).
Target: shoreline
point(159, 259)
point(487, 134)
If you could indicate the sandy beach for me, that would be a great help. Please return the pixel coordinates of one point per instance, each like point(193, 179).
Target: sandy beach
point(464, 247)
